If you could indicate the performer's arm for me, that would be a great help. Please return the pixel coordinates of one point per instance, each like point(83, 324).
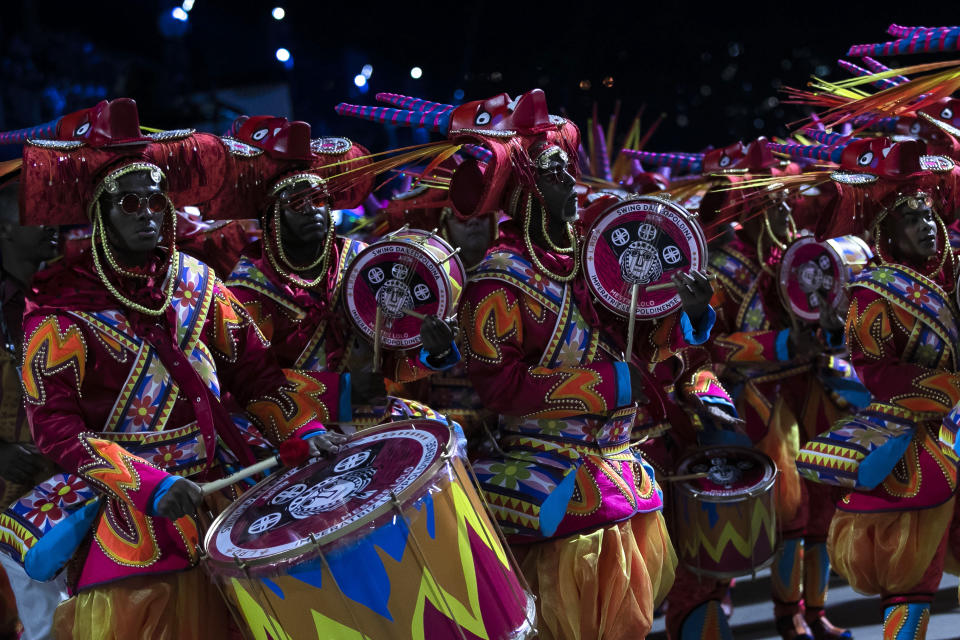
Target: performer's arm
point(871, 324)
point(493, 321)
point(57, 358)
point(281, 401)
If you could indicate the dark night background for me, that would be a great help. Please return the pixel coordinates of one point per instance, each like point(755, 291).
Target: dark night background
point(714, 73)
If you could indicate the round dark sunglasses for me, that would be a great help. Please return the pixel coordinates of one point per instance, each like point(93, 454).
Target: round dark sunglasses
point(305, 203)
point(132, 203)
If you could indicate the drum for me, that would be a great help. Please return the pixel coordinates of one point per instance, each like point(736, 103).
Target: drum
point(724, 522)
point(408, 270)
point(388, 540)
point(642, 241)
point(810, 268)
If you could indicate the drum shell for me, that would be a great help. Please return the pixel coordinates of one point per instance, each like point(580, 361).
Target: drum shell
point(725, 536)
point(848, 255)
point(434, 553)
point(433, 257)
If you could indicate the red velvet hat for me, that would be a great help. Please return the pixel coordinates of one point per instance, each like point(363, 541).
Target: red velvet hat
point(507, 127)
point(61, 177)
point(267, 153)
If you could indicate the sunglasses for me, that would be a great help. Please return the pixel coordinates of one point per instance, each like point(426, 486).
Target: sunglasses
point(132, 203)
point(305, 203)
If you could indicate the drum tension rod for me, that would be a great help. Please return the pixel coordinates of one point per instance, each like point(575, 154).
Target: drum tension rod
point(405, 227)
point(447, 259)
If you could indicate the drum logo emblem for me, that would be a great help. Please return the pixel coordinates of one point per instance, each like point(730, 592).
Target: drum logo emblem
point(723, 472)
point(330, 493)
point(396, 287)
point(393, 297)
point(815, 276)
point(643, 251)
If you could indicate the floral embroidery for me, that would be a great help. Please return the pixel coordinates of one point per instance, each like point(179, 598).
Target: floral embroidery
point(44, 508)
point(167, 455)
point(883, 276)
point(186, 293)
point(917, 293)
point(142, 411)
point(508, 474)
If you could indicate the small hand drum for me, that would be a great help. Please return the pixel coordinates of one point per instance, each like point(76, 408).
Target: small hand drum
point(810, 268)
point(409, 270)
point(642, 241)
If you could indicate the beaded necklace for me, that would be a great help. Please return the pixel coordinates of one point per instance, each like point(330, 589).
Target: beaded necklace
point(533, 254)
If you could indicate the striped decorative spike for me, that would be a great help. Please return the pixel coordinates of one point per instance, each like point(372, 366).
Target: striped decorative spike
point(40, 132)
point(477, 152)
point(860, 72)
point(439, 122)
point(939, 39)
point(898, 31)
point(810, 152)
point(692, 162)
point(414, 104)
point(873, 123)
point(829, 139)
point(878, 67)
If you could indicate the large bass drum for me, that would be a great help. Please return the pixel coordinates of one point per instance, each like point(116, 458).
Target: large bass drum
point(642, 241)
point(812, 270)
point(408, 270)
point(387, 541)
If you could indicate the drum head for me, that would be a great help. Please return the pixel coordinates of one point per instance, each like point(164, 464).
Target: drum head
point(732, 472)
point(810, 268)
point(403, 272)
point(642, 241)
point(327, 499)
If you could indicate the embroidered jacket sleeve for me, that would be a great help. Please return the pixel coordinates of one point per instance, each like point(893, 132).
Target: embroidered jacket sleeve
point(878, 335)
point(274, 325)
point(280, 401)
point(731, 346)
point(505, 334)
point(58, 356)
point(671, 334)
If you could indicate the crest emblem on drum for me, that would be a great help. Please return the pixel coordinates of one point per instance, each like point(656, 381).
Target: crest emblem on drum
point(403, 289)
point(815, 276)
point(723, 472)
point(644, 251)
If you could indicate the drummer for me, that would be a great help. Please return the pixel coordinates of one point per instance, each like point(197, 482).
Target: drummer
point(113, 354)
point(291, 282)
point(449, 392)
point(769, 364)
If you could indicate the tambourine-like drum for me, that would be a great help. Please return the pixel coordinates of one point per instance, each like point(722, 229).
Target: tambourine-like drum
point(386, 541)
point(725, 522)
point(642, 241)
point(811, 270)
point(410, 270)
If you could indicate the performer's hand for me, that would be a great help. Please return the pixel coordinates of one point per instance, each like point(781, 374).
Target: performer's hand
point(830, 319)
point(716, 413)
point(181, 499)
point(327, 443)
point(695, 291)
point(637, 385)
point(19, 463)
point(804, 344)
point(436, 336)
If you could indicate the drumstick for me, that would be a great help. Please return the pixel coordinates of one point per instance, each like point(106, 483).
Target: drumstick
point(670, 285)
point(689, 476)
point(377, 330)
point(413, 314)
point(632, 321)
point(212, 487)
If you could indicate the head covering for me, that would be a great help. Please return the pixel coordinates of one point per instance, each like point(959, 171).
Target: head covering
point(867, 177)
point(62, 173)
point(516, 132)
point(268, 153)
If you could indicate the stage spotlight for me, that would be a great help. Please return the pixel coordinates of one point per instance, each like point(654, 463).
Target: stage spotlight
point(278, 13)
point(283, 55)
point(179, 14)
point(360, 80)
point(416, 73)
point(367, 71)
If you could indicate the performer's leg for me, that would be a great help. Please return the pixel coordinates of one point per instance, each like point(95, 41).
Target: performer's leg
point(816, 562)
point(36, 601)
point(693, 609)
point(786, 578)
point(170, 606)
